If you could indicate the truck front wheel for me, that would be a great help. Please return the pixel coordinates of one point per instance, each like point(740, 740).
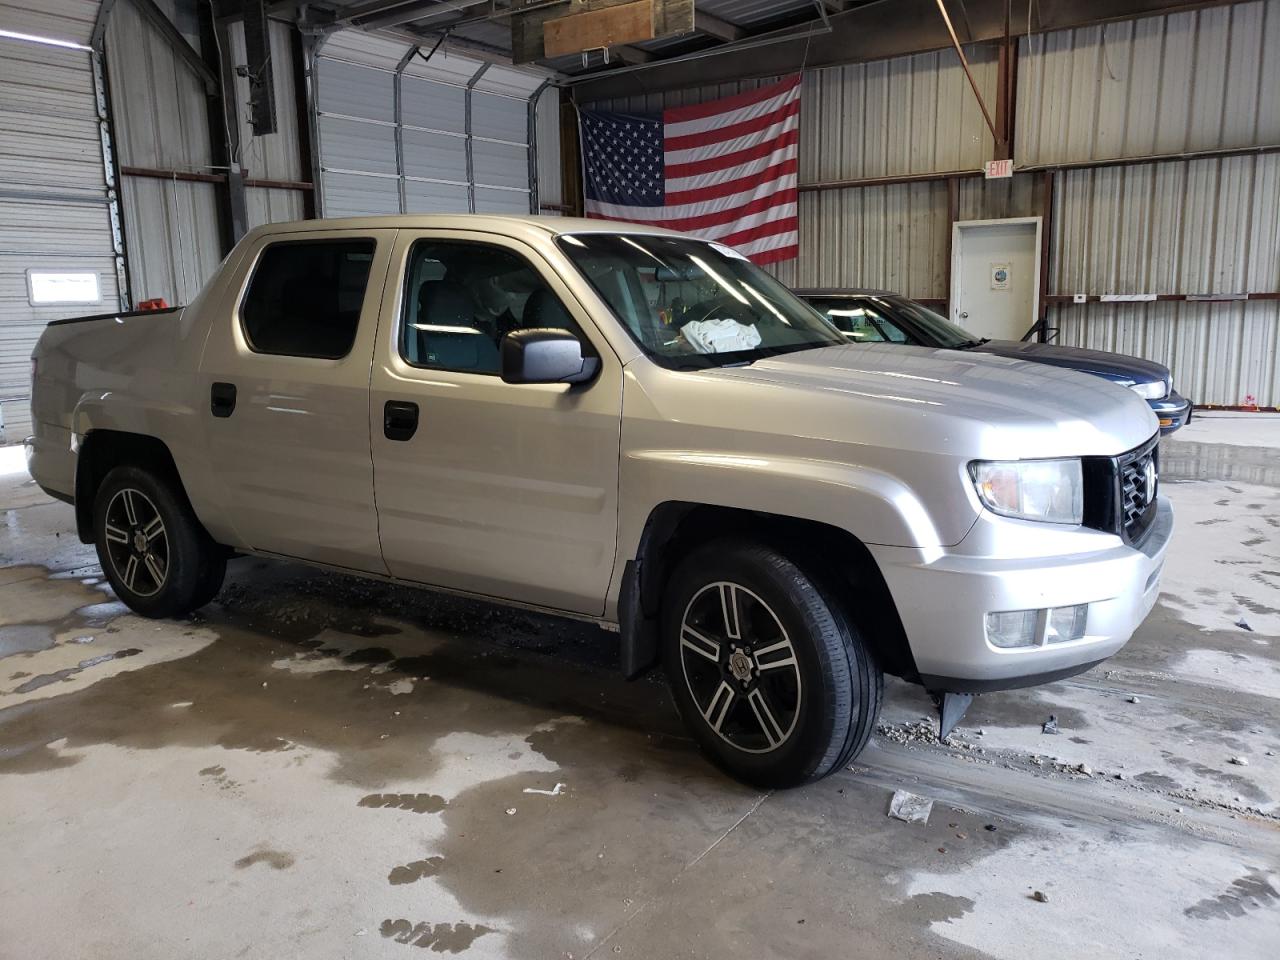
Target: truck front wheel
point(768, 671)
point(158, 558)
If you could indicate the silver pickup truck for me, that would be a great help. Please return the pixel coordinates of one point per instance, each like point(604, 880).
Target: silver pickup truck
point(625, 425)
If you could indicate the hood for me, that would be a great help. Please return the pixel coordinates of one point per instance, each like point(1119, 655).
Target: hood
point(979, 404)
point(1113, 366)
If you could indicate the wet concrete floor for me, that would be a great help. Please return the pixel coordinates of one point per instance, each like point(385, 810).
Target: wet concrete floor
point(320, 766)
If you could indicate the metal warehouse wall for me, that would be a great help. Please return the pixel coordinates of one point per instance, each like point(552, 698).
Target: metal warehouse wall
point(161, 122)
point(909, 115)
point(54, 210)
point(395, 134)
point(277, 156)
point(1200, 81)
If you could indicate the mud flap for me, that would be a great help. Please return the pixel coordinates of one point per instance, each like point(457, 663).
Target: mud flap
point(639, 633)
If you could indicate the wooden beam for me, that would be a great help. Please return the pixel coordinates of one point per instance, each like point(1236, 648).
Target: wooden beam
point(715, 27)
point(596, 29)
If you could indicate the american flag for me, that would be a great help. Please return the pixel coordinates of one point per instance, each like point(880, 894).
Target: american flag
point(724, 170)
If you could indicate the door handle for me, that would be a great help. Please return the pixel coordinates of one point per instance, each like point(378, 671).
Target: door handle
point(964, 315)
point(399, 419)
point(222, 399)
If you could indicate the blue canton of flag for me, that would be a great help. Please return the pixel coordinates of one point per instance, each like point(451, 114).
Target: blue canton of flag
point(622, 158)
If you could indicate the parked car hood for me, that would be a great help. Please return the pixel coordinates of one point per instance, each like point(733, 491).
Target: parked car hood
point(1097, 362)
point(985, 404)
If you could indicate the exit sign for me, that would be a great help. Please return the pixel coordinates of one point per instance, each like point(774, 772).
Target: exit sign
point(997, 169)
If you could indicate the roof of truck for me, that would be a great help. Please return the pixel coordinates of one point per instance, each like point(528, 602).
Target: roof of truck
point(466, 221)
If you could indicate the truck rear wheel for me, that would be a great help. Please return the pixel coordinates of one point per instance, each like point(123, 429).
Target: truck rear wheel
point(158, 558)
point(770, 676)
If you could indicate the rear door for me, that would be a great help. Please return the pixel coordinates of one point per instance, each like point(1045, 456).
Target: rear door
point(506, 490)
point(285, 374)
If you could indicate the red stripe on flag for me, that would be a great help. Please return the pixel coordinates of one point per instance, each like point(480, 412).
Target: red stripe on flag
point(772, 228)
point(713, 219)
point(776, 256)
point(676, 171)
point(731, 187)
point(720, 134)
point(699, 111)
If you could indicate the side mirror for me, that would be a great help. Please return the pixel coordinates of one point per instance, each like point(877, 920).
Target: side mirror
point(543, 355)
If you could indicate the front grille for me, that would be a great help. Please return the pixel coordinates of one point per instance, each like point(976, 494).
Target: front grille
point(1120, 493)
point(1139, 478)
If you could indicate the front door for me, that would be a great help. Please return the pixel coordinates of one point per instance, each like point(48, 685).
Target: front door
point(285, 375)
point(995, 269)
point(506, 490)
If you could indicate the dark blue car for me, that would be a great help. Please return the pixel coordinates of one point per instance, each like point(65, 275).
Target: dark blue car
point(876, 316)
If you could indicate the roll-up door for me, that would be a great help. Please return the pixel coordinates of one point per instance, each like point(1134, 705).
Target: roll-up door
point(60, 253)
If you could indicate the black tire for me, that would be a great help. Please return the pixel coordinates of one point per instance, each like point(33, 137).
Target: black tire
point(164, 571)
point(808, 670)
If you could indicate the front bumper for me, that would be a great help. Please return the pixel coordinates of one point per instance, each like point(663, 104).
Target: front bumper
point(943, 602)
point(1173, 411)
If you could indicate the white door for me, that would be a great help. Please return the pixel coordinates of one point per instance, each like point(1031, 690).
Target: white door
point(995, 271)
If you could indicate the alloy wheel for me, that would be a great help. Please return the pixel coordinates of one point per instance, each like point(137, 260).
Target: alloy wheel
point(137, 542)
point(740, 667)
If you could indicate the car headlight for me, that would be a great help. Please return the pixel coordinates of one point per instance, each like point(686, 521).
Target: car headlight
point(1156, 390)
point(1047, 490)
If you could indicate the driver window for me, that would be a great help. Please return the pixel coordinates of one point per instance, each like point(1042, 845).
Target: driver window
point(461, 299)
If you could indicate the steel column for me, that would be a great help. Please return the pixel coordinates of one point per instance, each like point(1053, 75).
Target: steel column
point(237, 203)
point(311, 44)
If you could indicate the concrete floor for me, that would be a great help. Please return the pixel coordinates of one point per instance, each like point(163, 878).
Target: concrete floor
point(325, 767)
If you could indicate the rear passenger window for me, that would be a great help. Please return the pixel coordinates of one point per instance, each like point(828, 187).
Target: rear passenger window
point(304, 298)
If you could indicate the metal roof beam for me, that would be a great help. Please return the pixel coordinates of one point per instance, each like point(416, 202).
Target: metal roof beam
point(391, 13)
point(715, 27)
point(871, 31)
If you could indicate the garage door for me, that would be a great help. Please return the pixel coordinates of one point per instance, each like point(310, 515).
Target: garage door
point(56, 238)
point(403, 133)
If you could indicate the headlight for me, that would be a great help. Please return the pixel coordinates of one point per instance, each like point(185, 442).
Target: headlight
point(1156, 390)
point(1047, 490)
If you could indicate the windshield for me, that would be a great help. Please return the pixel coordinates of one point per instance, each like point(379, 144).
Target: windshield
point(692, 304)
point(936, 329)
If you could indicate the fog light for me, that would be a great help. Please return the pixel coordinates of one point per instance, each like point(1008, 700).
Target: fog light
point(1012, 628)
point(1067, 623)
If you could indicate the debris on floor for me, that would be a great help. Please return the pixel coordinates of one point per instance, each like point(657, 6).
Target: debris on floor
point(1040, 896)
point(1050, 725)
point(1239, 761)
point(910, 808)
point(1244, 625)
point(553, 792)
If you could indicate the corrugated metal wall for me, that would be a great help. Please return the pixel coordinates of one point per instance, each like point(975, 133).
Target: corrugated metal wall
point(895, 117)
point(910, 115)
point(161, 122)
point(277, 156)
point(53, 193)
point(1203, 80)
point(425, 159)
